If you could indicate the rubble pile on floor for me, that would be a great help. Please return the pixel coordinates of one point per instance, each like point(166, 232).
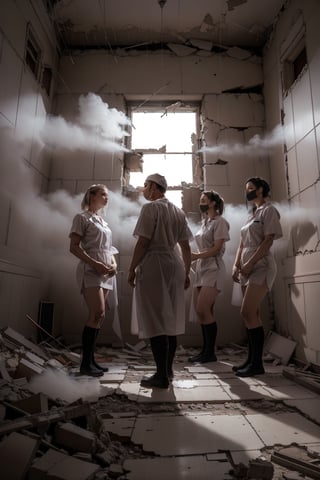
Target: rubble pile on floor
point(58, 425)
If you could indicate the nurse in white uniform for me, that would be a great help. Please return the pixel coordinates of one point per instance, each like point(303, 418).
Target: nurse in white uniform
point(255, 268)
point(160, 275)
point(91, 242)
point(210, 271)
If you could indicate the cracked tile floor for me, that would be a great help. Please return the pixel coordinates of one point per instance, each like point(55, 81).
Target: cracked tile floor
point(208, 419)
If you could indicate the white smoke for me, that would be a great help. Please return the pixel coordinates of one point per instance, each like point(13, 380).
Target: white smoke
point(257, 145)
point(96, 127)
point(57, 384)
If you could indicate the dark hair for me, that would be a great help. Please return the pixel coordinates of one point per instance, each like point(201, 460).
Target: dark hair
point(260, 182)
point(215, 197)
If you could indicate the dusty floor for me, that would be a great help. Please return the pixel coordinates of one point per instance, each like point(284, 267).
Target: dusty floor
point(209, 419)
point(209, 424)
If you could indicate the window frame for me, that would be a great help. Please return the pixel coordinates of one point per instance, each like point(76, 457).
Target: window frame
point(33, 53)
point(162, 106)
point(290, 51)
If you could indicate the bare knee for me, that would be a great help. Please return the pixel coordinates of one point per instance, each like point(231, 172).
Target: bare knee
point(251, 317)
point(99, 316)
point(204, 313)
point(246, 312)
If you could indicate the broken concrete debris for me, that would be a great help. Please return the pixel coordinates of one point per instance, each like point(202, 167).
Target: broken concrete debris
point(257, 468)
point(64, 426)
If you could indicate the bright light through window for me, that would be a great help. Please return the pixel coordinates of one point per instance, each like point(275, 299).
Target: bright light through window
point(171, 134)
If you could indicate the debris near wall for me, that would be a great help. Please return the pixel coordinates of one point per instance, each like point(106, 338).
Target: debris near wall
point(305, 461)
point(65, 426)
point(51, 437)
point(278, 348)
point(258, 468)
point(304, 376)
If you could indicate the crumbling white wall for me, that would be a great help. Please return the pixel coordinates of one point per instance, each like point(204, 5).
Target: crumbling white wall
point(225, 118)
point(230, 118)
point(24, 166)
point(295, 176)
point(114, 79)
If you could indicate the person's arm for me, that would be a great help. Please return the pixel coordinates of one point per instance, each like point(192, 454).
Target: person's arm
point(113, 266)
point(186, 255)
point(138, 254)
point(209, 252)
point(236, 265)
point(78, 252)
point(261, 252)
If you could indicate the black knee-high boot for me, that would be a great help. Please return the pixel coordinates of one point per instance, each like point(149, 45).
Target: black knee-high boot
point(235, 368)
point(196, 358)
point(88, 340)
point(103, 369)
point(172, 343)
point(211, 336)
point(160, 348)
point(255, 367)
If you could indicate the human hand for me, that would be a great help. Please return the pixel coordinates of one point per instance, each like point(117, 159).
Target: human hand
point(194, 256)
point(236, 274)
point(112, 270)
point(101, 268)
point(246, 269)
point(132, 278)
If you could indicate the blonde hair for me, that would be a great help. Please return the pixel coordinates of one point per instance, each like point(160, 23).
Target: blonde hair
point(93, 190)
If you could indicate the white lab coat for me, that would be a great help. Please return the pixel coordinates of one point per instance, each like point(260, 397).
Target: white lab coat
point(159, 300)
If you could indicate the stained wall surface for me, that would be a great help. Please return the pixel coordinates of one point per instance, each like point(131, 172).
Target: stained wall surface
point(295, 173)
point(25, 165)
point(41, 187)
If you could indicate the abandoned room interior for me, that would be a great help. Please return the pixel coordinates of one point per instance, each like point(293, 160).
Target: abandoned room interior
point(207, 93)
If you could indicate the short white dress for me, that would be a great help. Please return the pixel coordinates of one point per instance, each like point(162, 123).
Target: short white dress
point(211, 271)
point(159, 299)
point(96, 241)
point(264, 221)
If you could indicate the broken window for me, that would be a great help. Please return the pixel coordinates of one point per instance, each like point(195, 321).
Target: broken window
point(163, 134)
point(33, 53)
point(293, 55)
point(46, 79)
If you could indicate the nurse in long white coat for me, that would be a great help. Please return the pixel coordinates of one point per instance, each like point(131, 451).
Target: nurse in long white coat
point(159, 276)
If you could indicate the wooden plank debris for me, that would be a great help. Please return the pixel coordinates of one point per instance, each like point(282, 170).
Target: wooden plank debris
point(296, 464)
point(43, 421)
point(19, 339)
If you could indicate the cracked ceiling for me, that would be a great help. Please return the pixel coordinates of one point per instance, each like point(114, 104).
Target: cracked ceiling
point(153, 24)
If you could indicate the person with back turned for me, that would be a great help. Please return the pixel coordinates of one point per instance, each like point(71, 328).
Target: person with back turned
point(255, 268)
point(159, 276)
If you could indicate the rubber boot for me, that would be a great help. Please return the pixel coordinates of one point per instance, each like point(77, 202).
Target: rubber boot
point(235, 368)
point(99, 367)
point(160, 349)
point(172, 344)
point(211, 335)
point(88, 340)
point(255, 367)
point(197, 357)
